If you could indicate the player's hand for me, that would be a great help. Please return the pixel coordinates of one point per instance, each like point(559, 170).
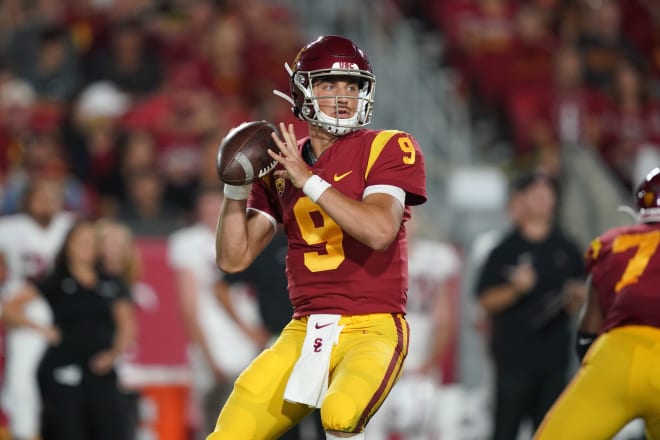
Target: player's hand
point(295, 168)
point(523, 277)
point(260, 336)
point(52, 334)
point(427, 369)
point(102, 362)
point(575, 293)
point(219, 374)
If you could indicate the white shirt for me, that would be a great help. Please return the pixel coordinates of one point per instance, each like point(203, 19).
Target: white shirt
point(30, 248)
point(430, 265)
point(193, 248)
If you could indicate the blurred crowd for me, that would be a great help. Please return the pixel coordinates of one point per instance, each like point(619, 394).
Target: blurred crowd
point(125, 102)
point(558, 72)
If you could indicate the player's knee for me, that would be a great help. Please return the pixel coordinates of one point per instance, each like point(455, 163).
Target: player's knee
point(340, 412)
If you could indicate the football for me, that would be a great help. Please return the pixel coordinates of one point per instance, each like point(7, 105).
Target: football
point(243, 156)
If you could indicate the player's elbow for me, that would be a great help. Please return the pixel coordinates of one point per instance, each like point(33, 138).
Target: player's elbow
point(229, 265)
point(380, 240)
point(381, 246)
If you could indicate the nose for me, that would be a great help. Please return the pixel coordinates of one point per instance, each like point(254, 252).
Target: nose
point(343, 90)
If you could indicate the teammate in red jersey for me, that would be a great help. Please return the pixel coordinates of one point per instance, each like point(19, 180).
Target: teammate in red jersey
point(343, 195)
point(619, 379)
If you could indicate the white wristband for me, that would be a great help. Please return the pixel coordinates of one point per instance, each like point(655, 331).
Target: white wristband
point(237, 192)
point(314, 187)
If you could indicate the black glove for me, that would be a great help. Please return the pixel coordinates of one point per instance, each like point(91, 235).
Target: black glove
point(583, 342)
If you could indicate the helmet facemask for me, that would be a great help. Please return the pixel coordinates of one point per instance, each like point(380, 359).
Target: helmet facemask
point(306, 106)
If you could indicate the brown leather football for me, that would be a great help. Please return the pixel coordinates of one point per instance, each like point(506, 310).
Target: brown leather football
point(243, 156)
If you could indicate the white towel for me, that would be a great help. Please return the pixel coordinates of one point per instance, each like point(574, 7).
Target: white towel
point(308, 382)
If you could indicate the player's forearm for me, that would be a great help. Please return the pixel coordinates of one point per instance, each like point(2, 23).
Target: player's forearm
point(126, 327)
point(13, 317)
point(496, 299)
point(231, 240)
point(196, 335)
point(592, 316)
point(374, 222)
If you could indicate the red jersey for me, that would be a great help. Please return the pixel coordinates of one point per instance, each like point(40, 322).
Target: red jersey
point(329, 271)
point(624, 264)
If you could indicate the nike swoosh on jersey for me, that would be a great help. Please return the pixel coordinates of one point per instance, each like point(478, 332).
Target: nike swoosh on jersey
point(338, 177)
point(322, 325)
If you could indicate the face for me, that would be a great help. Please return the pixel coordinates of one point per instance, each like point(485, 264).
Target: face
point(627, 81)
point(82, 245)
point(337, 97)
point(44, 201)
point(208, 208)
point(568, 67)
point(115, 245)
point(538, 200)
point(140, 152)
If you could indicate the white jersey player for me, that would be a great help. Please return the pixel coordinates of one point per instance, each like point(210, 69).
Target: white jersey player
point(29, 241)
point(220, 332)
point(412, 408)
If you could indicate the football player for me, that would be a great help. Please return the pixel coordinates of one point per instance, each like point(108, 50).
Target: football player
point(411, 410)
point(343, 194)
point(30, 240)
point(619, 333)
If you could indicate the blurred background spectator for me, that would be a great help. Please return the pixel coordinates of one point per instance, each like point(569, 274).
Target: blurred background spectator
point(433, 267)
point(29, 241)
point(92, 326)
point(119, 257)
point(530, 285)
point(222, 323)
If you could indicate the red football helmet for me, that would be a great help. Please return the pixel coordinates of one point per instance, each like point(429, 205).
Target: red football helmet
point(330, 56)
point(648, 197)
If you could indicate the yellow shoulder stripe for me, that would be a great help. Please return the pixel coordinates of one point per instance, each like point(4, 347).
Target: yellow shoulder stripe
point(377, 146)
point(594, 248)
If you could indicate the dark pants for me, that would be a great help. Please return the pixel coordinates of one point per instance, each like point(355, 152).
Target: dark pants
point(520, 396)
point(88, 410)
point(314, 420)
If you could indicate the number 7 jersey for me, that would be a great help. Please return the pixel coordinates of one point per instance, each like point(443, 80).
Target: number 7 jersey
point(624, 264)
point(329, 271)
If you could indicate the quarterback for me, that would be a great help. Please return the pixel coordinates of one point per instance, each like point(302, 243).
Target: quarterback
point(343, 195)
